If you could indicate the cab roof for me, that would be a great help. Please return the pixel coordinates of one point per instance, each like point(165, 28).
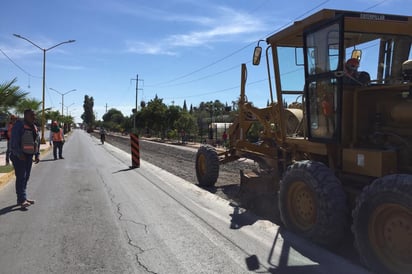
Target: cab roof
point(354, 22)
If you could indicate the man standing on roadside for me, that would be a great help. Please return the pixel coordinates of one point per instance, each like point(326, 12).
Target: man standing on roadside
point(13, 119)
point(25, 143)
point(57, 137)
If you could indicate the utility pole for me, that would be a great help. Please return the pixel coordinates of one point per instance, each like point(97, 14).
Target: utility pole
point(137, 89)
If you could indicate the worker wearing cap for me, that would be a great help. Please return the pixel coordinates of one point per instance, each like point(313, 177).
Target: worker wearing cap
point(13, 119)
point(353, 76)
point(57, 139)
point(25, 143)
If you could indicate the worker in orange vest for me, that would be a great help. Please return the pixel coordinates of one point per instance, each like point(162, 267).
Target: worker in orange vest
point(13, 119)
point(57, 139)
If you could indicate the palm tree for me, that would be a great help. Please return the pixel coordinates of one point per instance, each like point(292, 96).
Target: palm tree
point(30, 103)
point(53, 115)
point(10, 95)
point(26, 103)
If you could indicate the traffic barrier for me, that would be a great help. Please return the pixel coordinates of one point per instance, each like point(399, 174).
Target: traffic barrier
point(134, 143)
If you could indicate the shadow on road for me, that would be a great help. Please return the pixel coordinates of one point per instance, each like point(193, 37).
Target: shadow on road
point(241, 217)
point(47, 160)
point(124, 170)
point(289, 244)
point(11, 208)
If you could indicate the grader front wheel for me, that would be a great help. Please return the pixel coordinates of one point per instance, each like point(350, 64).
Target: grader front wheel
point(207, 166)
point(383, 224)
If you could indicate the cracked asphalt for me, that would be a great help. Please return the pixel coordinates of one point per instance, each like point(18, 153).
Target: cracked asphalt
point(93, 214)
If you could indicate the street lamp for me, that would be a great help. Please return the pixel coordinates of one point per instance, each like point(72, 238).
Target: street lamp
point(43, 141)
point(62, 94)
point(67, 109)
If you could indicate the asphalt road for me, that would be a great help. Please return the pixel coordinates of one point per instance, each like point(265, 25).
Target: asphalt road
point(95, 215)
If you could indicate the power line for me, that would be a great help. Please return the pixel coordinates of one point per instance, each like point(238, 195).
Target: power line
point(217, 91)
point(374, 6)
point(19, 67)
point(203, 77)
point(238, 50)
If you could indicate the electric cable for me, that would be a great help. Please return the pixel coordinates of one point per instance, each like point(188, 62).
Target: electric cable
point(19, 67)
point(238, 50)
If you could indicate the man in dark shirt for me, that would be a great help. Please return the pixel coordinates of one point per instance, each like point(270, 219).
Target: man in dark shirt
point(25, 143)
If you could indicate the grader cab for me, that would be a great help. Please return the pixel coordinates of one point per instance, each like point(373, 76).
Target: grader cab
point(340, 155)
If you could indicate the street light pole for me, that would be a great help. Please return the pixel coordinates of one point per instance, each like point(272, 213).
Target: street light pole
point(67, 109)
point(43, 116)
point(62, 94)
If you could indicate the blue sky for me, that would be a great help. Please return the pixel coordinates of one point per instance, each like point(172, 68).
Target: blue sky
point(181, 49)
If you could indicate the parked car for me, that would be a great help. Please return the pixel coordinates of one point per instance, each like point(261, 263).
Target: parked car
point(3, 132)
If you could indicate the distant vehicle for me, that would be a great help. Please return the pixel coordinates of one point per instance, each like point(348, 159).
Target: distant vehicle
point(3, 132)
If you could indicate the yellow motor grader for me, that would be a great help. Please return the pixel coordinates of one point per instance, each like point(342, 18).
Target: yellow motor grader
point(340, 156)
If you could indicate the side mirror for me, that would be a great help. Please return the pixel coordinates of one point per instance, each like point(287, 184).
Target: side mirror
point(256, 55)
point(357, 54)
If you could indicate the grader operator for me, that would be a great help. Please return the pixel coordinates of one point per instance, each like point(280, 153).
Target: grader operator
point(339, 157)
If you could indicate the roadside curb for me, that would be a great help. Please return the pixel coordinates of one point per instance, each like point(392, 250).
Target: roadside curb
point(5, 178)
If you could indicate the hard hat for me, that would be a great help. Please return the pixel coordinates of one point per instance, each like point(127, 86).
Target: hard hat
point(352, 64)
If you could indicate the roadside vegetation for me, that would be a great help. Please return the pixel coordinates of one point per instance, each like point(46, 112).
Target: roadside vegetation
point(156, 119)
point(14, 100)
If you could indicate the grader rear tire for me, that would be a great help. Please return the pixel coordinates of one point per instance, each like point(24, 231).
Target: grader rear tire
point(207, 166)
point(382, 224)
point(312, 203)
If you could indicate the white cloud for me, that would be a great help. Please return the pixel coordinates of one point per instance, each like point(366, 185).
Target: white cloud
point(223, 25)
point(148, 48)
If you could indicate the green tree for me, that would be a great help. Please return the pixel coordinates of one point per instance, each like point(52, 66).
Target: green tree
point(113, 119)
point(26, 103)
point(10, 95)
point(173, 114)
point(53, 115)
point(154, 115)
point(88, 116)
point(30, 103)
point(186, 122)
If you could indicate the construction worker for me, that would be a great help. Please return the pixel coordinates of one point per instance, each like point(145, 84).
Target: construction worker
point(224, 138)
point(25, 144)
point(13, 119)
point(353, 76)
point(328, 113)
point(57, 137)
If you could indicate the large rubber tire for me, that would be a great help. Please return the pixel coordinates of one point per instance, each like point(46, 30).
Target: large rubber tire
point(313, 204)
point(382, 224)
point(207, 166)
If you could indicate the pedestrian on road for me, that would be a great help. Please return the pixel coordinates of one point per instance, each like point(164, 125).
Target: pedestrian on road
point(102, 135)
point(25, 144)
point(13, 119)
point(224, 138)
point(57, 137)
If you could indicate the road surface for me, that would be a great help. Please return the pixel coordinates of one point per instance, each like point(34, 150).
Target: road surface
point(95, 215)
